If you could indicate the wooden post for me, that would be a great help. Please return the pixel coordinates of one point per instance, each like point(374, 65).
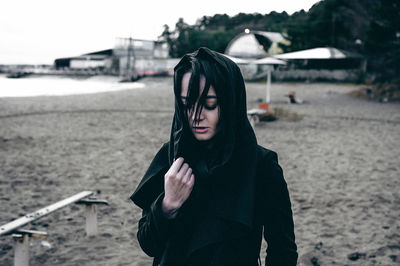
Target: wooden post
point(91, 214)
point(268, 91)
point(91, 219)
point(21, 256)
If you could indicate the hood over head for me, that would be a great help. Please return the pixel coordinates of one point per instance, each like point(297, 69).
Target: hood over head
point(225, 77)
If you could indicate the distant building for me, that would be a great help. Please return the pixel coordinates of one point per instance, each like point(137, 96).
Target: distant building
point(143, 58)
point(130, 58)
point(99, 60)
point(255, 44)
point(141, 48)
point(252, 45)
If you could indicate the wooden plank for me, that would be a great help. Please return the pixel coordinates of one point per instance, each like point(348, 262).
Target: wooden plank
point(90, 201)
point(12, 226)
point(30, 232)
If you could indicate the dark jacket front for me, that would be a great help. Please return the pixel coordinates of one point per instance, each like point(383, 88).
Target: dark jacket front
point(157, 234)
point(239, 188)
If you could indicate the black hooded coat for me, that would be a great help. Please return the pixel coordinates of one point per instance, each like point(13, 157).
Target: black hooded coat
point(239, 187)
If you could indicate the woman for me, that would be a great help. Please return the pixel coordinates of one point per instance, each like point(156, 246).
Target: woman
point(211, 190)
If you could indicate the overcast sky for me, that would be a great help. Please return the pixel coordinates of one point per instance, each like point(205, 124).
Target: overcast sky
point(38, 31)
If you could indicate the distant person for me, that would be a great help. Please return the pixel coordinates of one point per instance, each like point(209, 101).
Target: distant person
point(292, 97)
point(211, 190)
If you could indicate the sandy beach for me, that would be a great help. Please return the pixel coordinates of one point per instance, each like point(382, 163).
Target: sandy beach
point(340, 157)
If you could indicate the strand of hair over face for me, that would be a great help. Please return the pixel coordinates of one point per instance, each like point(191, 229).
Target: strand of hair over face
point(211, 74)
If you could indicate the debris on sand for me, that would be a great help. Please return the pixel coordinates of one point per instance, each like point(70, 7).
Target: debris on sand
point(356, 255)
point(282, 113)
point(382, 92)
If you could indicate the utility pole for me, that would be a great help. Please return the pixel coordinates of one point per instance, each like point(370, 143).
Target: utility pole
point(128, 61)
point(130, 73)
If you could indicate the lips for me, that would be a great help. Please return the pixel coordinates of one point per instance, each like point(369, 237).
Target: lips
point(200, 129)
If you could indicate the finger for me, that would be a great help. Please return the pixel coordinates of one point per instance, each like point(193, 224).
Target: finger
point(187, 175)
point(191, 181)
point(176, 166)
point(181, 173)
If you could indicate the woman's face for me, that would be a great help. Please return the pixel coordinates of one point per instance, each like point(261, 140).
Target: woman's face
point(206, 127)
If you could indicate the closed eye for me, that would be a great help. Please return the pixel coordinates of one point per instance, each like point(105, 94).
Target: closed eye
point(210, 102)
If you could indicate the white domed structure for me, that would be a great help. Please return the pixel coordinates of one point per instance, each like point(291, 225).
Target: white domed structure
point(255, 44)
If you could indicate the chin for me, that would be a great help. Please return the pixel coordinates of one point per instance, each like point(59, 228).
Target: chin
point(203, 137)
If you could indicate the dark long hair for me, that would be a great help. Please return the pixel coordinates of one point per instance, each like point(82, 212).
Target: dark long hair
point(227, 81)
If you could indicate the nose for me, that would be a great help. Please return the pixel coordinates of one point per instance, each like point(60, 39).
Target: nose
point(200, 117)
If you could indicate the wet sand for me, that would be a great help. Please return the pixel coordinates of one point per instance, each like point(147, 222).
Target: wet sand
point(340, 157)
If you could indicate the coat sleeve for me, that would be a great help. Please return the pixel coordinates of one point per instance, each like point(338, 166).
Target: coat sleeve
point(154, 229)
point(277, 215)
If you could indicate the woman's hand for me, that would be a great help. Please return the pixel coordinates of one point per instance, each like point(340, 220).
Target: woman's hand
point(178, 184)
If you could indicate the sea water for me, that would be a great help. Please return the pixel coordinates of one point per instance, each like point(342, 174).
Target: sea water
point(58, 86)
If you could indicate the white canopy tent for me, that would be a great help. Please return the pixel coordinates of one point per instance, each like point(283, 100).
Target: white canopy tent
point(263, 61)
point(270, 61)
point(318, 53)
point(238, 60)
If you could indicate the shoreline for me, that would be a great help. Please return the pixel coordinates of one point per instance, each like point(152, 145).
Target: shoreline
point(49, 85)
